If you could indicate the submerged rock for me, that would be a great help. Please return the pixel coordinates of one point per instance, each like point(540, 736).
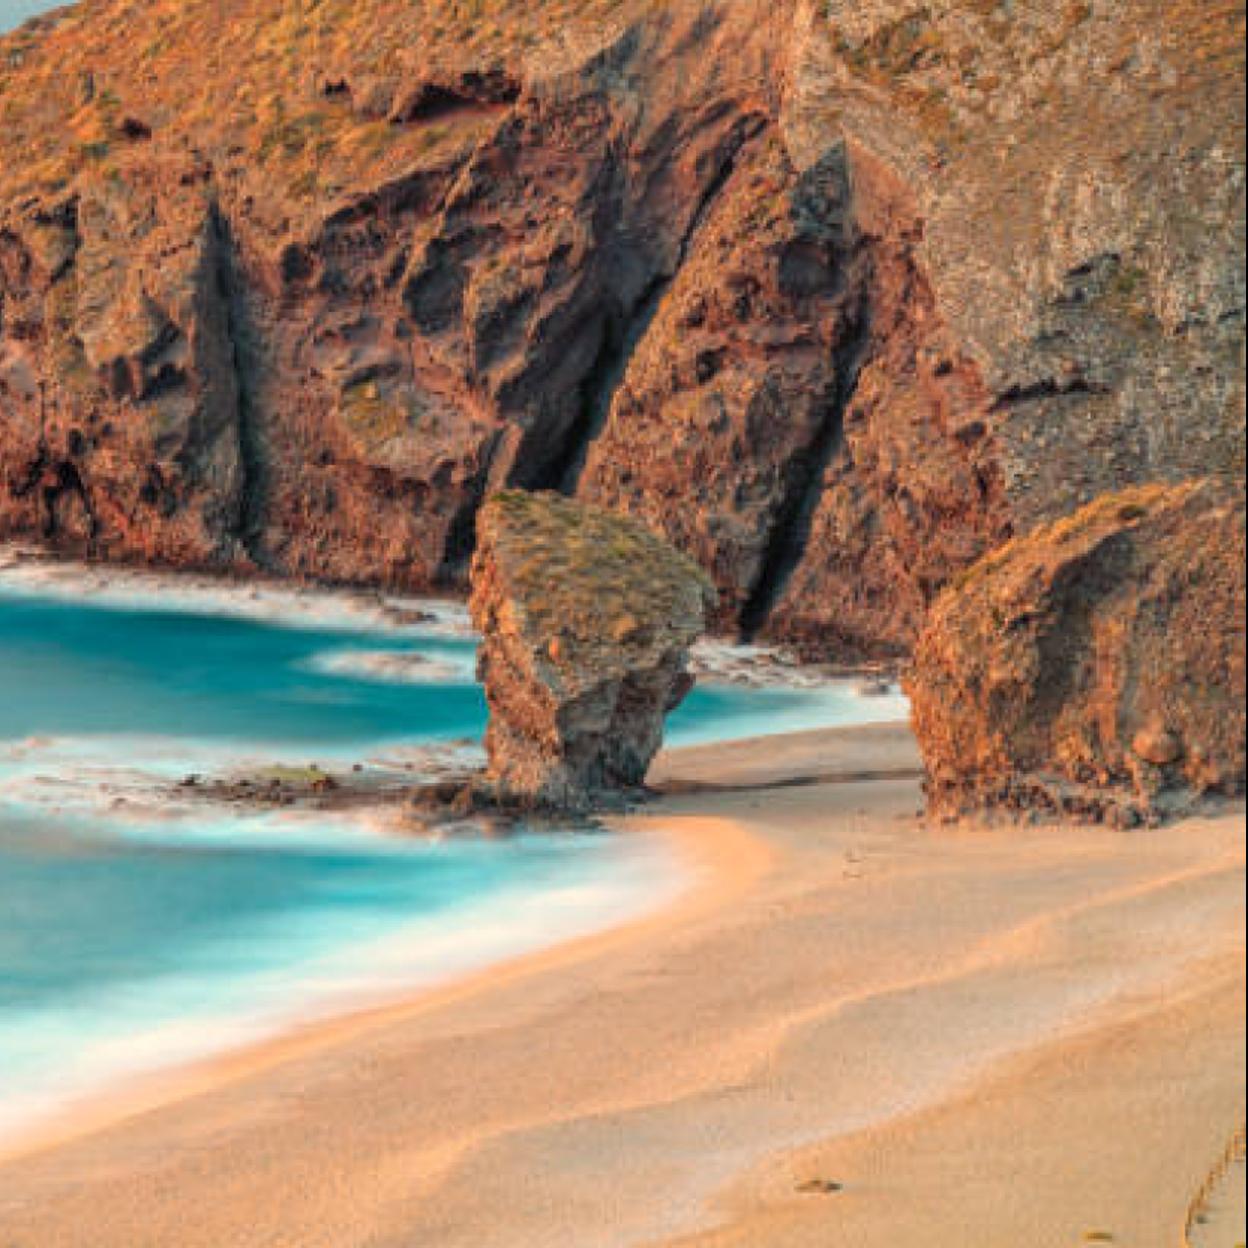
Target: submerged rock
point(587, 619)
point(1095, 667)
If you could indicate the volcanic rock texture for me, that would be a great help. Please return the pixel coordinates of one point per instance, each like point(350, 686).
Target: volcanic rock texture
point(836, 295)
point(1094, 667)
point(586, 619)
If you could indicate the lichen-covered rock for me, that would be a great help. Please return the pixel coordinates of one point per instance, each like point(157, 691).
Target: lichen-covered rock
point(1095, 667)
point(586, 620)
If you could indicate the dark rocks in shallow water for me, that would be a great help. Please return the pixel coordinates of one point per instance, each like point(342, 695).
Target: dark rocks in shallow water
point(439, 805)
point(587, 619)
point(1094, 669)
point(475, 806)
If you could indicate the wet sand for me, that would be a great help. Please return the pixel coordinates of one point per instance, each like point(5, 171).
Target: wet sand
point(854, 1030)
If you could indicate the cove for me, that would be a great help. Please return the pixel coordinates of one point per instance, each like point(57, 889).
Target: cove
point(137, 934)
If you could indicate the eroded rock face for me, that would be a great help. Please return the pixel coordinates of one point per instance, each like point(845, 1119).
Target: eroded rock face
point(1095, 667)
point(836, 296)
point(586, 619)
point(119, 410)
point(732, 398)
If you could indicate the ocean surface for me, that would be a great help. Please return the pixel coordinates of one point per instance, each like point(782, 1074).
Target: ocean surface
point(140, 930)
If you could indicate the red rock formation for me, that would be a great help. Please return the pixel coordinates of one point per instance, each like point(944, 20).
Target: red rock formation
point(114, 302)
point(798, 418)
point(835, 296)
point(1094, 667)
point(586, 619)
point(914, 492)
point(731, 402)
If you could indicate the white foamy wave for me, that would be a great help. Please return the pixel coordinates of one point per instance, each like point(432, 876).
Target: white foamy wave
point(63, 1056)
point(767, 711)
point(376, 831)
point(114, 778)
point(716, 661)
point(134, 785)
point(726, 663)
point(396, 667)
point(429, 760)
point(31, 575)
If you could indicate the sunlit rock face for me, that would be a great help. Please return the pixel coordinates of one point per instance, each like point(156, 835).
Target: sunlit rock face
point(1095, 667)
point(836, 296)
point(586, 620)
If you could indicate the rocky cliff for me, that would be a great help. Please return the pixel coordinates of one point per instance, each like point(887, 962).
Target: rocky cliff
point(838, 296)
point(586, 619)
point(1094, 667)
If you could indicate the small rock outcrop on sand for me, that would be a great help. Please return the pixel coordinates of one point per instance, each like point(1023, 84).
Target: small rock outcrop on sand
point(1096, 667)
point(587, 619)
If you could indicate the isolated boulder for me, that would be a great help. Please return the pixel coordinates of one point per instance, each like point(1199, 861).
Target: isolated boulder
point(1094, 667)
point(586, 620)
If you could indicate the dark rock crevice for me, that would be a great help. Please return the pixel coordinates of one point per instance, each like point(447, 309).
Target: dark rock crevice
point(461, 537)
point(619, 342)
point(61, 485)
point(56, 483)
point(791, 528)
point(473, 93)
point(1048, 388)
point(243, 343)
point(538, 465)
point(623, 332)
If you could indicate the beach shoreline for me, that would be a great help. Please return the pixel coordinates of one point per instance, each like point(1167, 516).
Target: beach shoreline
point(706, 879)
point(840, 983)
point(146, 790)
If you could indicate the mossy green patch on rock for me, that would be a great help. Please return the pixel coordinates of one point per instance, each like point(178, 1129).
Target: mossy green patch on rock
point(587, 577)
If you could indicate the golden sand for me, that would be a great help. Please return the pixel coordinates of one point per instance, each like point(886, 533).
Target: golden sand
point(854, 1030)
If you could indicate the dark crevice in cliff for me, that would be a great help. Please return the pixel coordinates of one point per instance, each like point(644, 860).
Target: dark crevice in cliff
point(60, 486)
point(623, 331)
point(598, 390)
point(63, 483)
point(790, 530)
point(243, 346)
point(1048, 388)
point(57, 484)
point(461, 534)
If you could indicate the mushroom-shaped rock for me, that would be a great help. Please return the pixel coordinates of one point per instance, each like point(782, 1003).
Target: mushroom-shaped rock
point(1094, 667)
point(586, 620)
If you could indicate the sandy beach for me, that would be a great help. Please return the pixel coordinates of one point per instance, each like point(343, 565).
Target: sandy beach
point(855, 1029)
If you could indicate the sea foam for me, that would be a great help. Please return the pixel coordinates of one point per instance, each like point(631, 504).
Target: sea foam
point(182, 594)
point(286, 970)
point(143, 926)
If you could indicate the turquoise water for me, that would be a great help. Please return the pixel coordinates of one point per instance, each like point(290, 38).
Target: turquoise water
point(137, 931)
point(76, 670)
